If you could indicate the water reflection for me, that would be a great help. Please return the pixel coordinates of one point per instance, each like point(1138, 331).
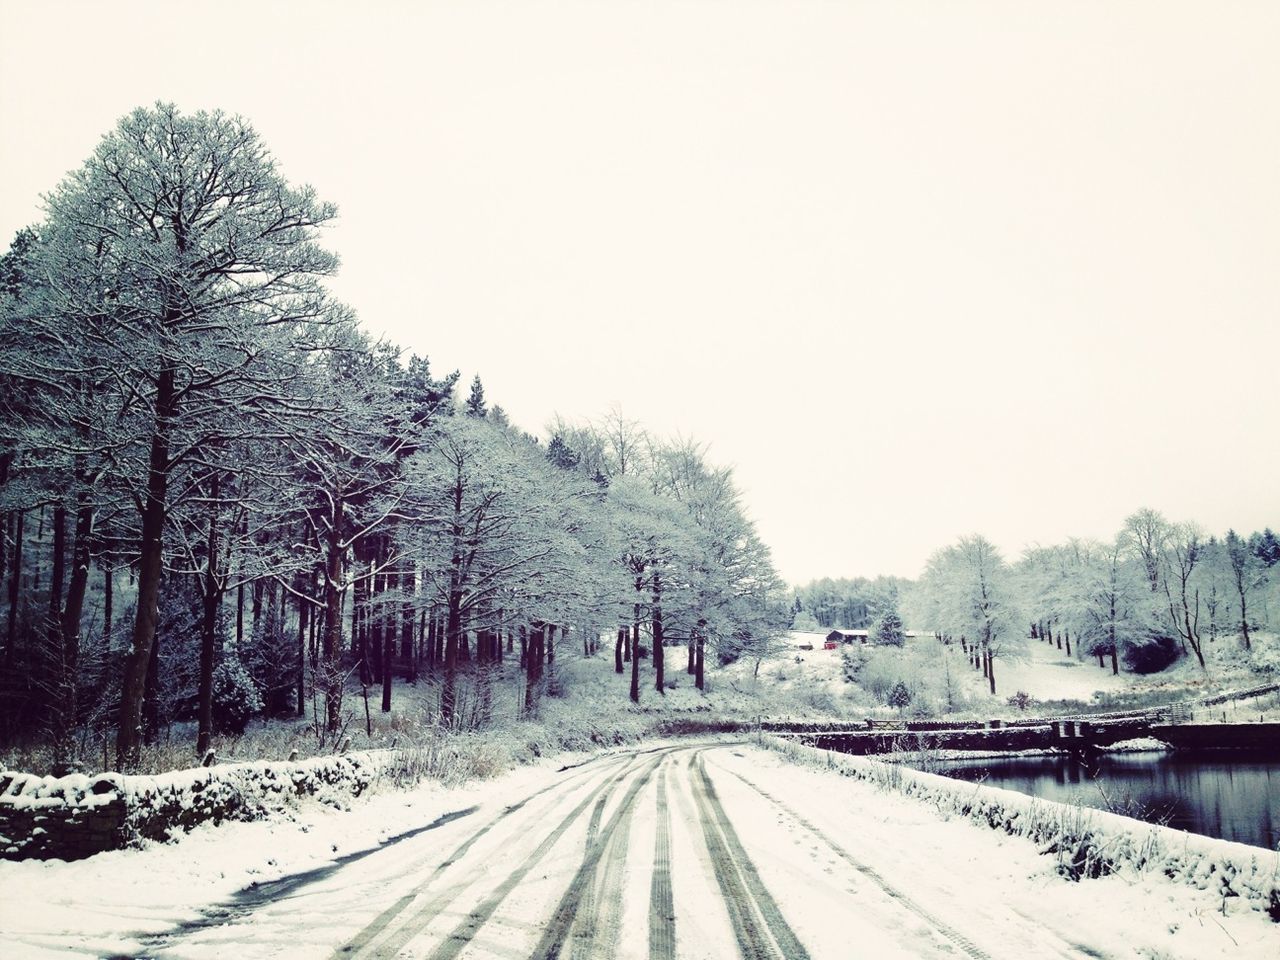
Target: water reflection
point(1237, 800)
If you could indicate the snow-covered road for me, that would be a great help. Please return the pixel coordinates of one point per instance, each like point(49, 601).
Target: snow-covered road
point(702, 851)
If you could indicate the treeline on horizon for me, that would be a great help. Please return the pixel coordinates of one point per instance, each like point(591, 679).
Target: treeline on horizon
point(218, 495)
point(1159, 590)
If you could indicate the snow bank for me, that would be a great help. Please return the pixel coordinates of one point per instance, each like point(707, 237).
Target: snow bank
point(77, 816)
point(1086, 842)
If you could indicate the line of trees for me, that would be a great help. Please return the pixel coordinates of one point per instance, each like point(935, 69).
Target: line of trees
point(1157, 591)
point(844, 603)
point(211, 479)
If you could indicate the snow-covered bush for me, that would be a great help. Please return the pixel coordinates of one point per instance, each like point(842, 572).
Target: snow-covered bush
point(235, 697)
point(1021, 700)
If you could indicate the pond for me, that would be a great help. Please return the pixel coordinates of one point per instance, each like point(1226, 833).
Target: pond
point(1237, 799)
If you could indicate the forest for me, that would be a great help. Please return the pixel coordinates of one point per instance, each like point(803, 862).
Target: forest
point(220, 497)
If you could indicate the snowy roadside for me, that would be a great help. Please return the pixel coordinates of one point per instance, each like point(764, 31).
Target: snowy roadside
point(980, 879)
point(111, 903)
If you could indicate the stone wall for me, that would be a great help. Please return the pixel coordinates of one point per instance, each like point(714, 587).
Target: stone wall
point(68, 818)
point(77, 816)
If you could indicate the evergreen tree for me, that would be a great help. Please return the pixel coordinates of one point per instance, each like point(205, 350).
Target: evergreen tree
point(888, 630)
point(559, 454)
point(475, 399)
point(900, 696)
point(1266, 547)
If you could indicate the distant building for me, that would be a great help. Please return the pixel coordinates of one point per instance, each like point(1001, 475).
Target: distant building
point(837, 637)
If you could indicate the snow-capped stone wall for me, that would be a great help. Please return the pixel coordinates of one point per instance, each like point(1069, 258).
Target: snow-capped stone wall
point(68, 818)
point(1085, 842)
point(73, 817)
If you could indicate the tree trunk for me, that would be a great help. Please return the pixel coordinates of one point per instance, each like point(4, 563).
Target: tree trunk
point(452, 629)
point(699, 659)
point(1244, 619)
point(377, 620)
point(240, 612)
point(659, 655)
point(388, 653)
point(64, 630)
point(360, 613)
point(208, 629)
point(151, 717)
point(330, 673)
point(693, 656)
point(304, 612)
point(389, 615)
point(151, 554)
point(635, 673)
point(617, 649)
point(56, 576)
point(533, 667)
point(991, 672)
point(406, 623)
point(108, 603)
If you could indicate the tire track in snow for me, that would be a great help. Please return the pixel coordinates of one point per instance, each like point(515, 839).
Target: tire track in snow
point(940, 926)
point(605, 857)
point(662, 913)
point(598, 917)
point(758, 924)
point(593, 827)
point(362, 940)
point(465, 932)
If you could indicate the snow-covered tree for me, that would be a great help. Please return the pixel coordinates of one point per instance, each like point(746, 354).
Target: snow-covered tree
point(475, 405)
point(181, 255)
point(888, 629)
point(966, 592)
point(1247, 573)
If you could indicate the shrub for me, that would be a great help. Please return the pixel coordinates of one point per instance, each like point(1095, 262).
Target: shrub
point(235, 698)
point(1022, 700)
point(1153, 656)
point(899, 696)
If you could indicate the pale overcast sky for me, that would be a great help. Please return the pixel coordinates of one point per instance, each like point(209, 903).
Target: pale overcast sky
point(915, 269)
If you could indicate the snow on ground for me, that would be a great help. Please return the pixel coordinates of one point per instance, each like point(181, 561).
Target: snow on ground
point(108, 903)
point(761, 852)
point(990, 887)
point(1047, 673)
